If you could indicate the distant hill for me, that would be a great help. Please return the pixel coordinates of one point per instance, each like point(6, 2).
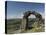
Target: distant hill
point(14, 24)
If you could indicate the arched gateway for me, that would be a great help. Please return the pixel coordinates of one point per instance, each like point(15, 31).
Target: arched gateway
point(24, 25)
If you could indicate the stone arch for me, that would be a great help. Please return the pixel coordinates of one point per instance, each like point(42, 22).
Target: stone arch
point(24, 25)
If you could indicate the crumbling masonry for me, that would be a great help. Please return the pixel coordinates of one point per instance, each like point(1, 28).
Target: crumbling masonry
point(24, 25)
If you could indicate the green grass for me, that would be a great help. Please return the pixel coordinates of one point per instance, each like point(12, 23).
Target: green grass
point(14, 25)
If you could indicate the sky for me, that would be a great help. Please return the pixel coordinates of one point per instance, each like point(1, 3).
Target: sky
point(17, 9)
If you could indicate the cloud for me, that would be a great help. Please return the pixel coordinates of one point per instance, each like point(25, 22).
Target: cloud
point(15, 16)
point(21, 16)
point(32, 16)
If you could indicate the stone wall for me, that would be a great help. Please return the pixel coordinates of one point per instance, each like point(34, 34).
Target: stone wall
point(24, 24)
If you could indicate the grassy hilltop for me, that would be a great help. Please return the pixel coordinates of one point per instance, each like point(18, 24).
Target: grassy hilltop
point(33, 26)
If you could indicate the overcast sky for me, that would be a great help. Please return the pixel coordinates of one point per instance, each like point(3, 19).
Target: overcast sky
point(16, 9)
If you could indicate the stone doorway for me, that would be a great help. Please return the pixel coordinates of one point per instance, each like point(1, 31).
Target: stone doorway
point(24, 25)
